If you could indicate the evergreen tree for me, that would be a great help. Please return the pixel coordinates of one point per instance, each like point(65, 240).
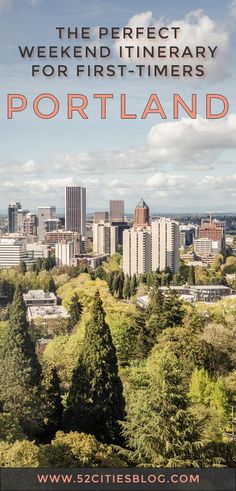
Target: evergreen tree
point(51, 403)
point(75, 311)
point(173, 310)
point(22, 267)
point(126, 288)
point(20, 370)
point(51, 285)
point(159, 426)
point(95, 401)
point(191, 276)
point(133, 285)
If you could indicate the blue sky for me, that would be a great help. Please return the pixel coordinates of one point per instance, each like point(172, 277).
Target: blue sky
point(176, 166)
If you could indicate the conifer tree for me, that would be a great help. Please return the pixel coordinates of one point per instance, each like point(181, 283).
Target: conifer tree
point(191, 276)
point(159, 425)
point(51, 285)
point(95, 401)
point(75, 311)
point(126, 288)
point(20, 370)
point(133, 285)
point(51, 402)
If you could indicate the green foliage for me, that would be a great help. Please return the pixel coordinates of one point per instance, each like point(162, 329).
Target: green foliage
point(20, 454)
point(75, 311)
point(20, 370)
point(9, 428)
point(159, 426)
point(78, 450)
point(191, 276)
point(95, 401)
point(52, 408)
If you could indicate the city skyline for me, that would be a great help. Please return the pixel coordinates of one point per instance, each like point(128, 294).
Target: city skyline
point(179, 165)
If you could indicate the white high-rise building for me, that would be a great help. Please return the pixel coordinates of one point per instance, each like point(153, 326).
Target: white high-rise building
point(137, 251)
point(165, 245)
point(151, 248)
point(12, 252)
point(105, 238)
point(75, 209)
point(65, 251)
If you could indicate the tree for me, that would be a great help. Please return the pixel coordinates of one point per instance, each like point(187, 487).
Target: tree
point(51, 403)
point(126, 288)
point(191, 276)
point(20, 370)
point(75, 311)
point(22, 267)
point(159, 426)
point(133, 285)
point(95, 400)
point(51, 285)
point(173, 310)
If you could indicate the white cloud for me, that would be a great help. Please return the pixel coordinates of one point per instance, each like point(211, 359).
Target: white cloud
point(192, 140)
point(233, 8)
point(196, 29)
point(167, 181)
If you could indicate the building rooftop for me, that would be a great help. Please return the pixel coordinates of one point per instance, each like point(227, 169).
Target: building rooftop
point(142, 204)
point(38, 295)
point(47, 312)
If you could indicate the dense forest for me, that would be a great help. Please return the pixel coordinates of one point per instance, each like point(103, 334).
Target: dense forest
point(116, 385)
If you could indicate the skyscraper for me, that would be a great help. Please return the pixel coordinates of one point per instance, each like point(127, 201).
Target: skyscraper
point(105, 238)
point(13, 217)
point(165, 245)
point(116, 210)
point(141, 215)
point(152, 247)
point(75, 209)
point(45, 213)
point(137, 251)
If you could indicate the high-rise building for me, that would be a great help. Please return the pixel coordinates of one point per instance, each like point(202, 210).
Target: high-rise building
point(100, 216)
point(13, 217)
point(137, 251)
point(30, 224)
point(45, 213)
point(75, 209)
point(21, 214)
point(105, 238)
point(141, 215)
point(66, 251)
point(214, 230)
point(151, 248)
point(117, 211)
point(165, 244)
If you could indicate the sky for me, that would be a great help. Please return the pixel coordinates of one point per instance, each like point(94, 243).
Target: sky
point(182, 165)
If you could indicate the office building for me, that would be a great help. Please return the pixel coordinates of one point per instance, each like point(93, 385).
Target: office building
point(214, 230)
point(13, 217)
point(101, 216)
point(116, 213)
point(36, 298)
point(75, 209)
point(30, 224)
point(141, 215)
point(45, 213)
point(12, 252)
point(105, 238)
point(206, 247)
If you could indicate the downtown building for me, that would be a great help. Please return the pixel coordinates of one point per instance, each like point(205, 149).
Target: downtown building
point(116, 210)
point(105, 238)
point(214, 230)
point(75, 209)
point(45, 214)
point(12, 252)
point(149, 246)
